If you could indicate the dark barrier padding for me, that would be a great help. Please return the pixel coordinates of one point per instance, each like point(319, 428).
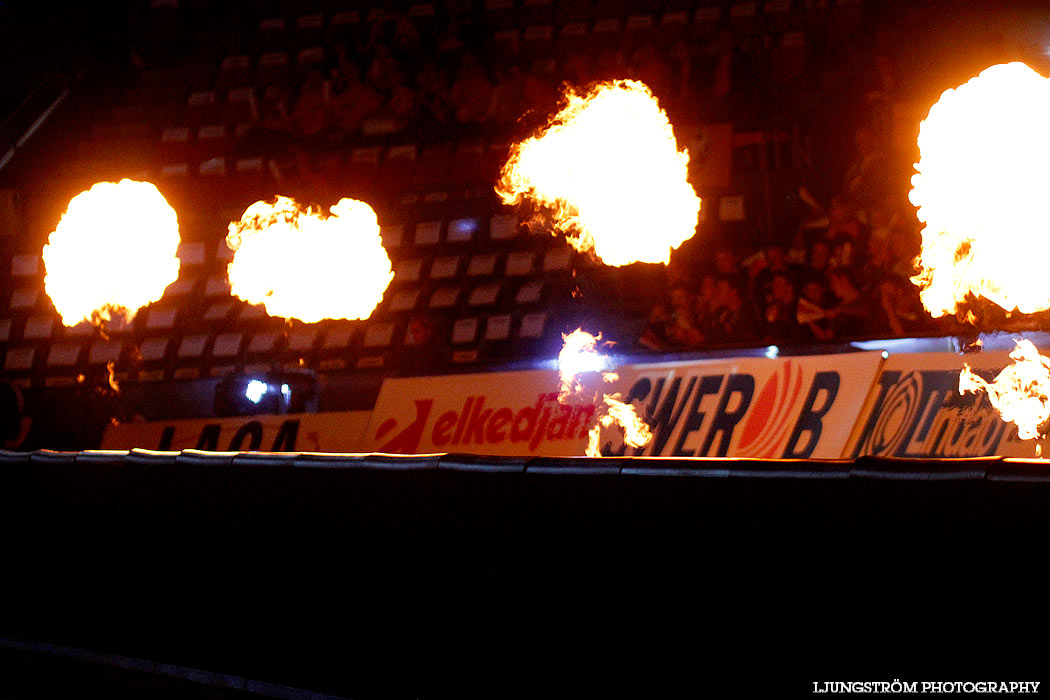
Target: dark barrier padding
point(381, 576)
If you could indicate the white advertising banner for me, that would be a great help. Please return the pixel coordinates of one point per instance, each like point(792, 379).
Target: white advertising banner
point(794, 407)
point(801, 407)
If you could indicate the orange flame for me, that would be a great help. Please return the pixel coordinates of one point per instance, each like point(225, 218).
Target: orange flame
point(579, 355)
point(112, 377)
point(981, 186)
point(609, 170)
point(112, 253)
point(300, 263)
point(1021, 392)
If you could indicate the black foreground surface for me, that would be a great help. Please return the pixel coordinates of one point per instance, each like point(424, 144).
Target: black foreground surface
point(442, 576)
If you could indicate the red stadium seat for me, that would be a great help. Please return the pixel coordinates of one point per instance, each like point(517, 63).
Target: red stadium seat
point(445, 297)
point(38, 328)
point(236, 72)
point(482, 265)
point(533, 325)
point(102, 352)
point(378, 335)
point(445, 267)
point(227, 345)
point(202, 108)
point(497, 328)
point(397, 169)
point(464, 330)
point(427, 233)
point(403, 300)
point(484, 295)
point(161, 317)
point(520, 263)
point(408, 271)
point(705, 21)
point(309, 29)
point(500, 14)
point(175, 144)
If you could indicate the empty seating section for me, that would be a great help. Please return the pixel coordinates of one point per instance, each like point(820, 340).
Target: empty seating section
point(464, 267)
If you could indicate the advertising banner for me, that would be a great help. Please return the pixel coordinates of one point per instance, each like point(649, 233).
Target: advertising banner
point(795, 407)
point(916, 410)
point(746, 407)
point(301, 432)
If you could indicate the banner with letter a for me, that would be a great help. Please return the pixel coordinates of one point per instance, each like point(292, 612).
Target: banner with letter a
point(298, 432)
point(916, 410)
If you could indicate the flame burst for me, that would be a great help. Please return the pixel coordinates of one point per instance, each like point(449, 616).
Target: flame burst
point(1021, 392)
point(112, 253)
point(609, 170)
point(300, 263)
point(981, 190)
point(579, 355)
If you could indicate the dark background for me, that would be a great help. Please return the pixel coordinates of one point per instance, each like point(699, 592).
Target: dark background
point(373, 581)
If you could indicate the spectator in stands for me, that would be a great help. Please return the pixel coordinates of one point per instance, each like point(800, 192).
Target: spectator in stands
point(854, 314)
point(657, 330)
point(782, 309)
point(311, 116)
point(402, 102)
point(432, 82)
point(865, 182)
point(812, 312)
point(727, 266)
point(471, 93)
point(382, 67)
point(882, 219)
point(406, 40)
point(844, 234)
point(683, 331)
point(508, 100)
point(877, 265)
point(270, 135)
point(773, 261)
point(353, 101)
point(419, 354)
point(733, 323)
point(902, 308)
point(904, 246)
point(706, 305)
point(450, 44)
point(819, 262)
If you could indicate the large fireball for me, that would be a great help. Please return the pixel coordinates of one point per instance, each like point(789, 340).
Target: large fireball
point(300, 263)
point(113, 252)
point(982, 186)
point(609, 171)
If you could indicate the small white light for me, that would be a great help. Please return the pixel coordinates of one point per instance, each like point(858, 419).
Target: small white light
point(885, 354)
point(772, 352)
point(580, 362)
point(255, 390)
point(286, 391)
